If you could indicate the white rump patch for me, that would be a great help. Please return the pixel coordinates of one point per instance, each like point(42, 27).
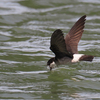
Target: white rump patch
point(76, 57)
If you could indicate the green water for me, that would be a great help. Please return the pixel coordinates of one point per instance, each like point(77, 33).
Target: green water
point(26, 27)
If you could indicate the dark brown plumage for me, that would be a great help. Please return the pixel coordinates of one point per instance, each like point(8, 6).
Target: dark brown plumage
point(66, 50)
point(58, 45)
point(74, 35)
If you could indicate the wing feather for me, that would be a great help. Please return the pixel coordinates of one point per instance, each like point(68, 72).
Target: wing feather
point(73, 37)
point(58, 45)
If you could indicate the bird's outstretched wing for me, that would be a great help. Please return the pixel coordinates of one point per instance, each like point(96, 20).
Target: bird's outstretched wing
point(58, 45)
point(74, 35)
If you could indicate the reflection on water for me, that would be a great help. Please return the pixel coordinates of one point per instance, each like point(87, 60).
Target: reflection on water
point(25, 31)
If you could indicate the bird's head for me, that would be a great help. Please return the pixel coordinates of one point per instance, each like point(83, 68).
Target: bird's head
point(51, 63)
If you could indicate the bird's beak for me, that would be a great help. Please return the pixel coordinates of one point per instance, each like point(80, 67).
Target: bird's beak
point(50, 68)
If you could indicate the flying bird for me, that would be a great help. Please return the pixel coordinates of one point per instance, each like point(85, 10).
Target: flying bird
point(66, 49)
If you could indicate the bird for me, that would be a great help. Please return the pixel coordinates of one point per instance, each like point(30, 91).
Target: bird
point(66, 49)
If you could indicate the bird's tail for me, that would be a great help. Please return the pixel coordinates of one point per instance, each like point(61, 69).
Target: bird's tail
point(86, 58)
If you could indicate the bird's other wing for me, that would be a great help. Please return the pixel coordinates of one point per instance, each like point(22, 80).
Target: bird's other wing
point(73, 37)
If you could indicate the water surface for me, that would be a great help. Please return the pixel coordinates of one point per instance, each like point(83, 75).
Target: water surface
point(25, 30)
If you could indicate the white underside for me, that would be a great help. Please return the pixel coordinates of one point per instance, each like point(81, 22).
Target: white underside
point(76, 57)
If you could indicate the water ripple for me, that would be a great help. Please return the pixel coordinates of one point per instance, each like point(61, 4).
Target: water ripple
point(30, 72)
point(97, 72)
point(89, 79)
point(90, 1)
point(25, 31)
point(15, 8)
